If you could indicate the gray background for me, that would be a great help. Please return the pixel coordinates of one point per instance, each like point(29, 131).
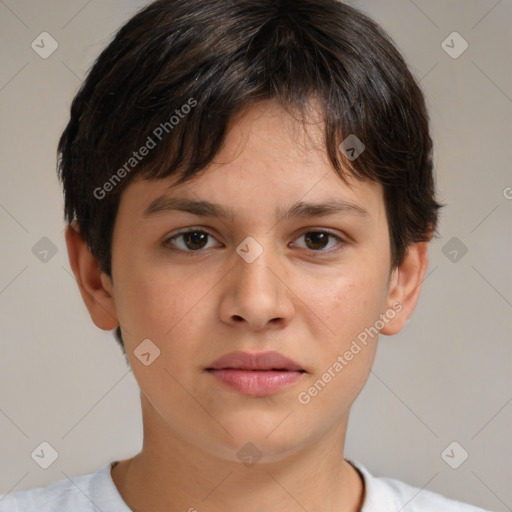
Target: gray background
point(445, 378)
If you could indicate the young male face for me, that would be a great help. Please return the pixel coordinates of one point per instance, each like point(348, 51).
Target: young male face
point(304, 296)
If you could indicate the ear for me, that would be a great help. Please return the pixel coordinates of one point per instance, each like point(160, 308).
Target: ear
point(95, 286)
point(405, 286)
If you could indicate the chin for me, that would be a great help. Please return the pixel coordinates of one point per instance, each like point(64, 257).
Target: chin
point(259, 441)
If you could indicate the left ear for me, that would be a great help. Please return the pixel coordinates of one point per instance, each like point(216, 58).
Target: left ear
point(405, 286)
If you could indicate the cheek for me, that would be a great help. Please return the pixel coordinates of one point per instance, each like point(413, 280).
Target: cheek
point(159, 305)
point(344, 351)
point(153, 301)
point(348, 303)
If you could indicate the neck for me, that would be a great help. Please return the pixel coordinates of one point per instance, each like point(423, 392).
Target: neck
point(172, 474)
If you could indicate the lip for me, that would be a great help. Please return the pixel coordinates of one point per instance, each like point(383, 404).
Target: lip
point(256, 374)
point(270, 360)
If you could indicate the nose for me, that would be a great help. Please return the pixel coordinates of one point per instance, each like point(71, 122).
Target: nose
point(256, 294)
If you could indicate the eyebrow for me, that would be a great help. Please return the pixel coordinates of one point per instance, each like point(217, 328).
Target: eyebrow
point(300, 209)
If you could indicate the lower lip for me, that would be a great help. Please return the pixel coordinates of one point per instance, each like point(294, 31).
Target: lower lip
point(256, 382)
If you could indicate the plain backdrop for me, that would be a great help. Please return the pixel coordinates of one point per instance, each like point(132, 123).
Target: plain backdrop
point(445, 378)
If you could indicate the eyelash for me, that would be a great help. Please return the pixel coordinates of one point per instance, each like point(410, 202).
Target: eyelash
point(168, 241)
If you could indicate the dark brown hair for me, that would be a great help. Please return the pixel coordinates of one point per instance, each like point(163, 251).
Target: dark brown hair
point(181, 69)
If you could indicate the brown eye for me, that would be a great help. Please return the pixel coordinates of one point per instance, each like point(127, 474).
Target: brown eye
point(191, 241)
point(319, 240)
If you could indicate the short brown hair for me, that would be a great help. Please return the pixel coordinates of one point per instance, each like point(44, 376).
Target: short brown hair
point(221, 56)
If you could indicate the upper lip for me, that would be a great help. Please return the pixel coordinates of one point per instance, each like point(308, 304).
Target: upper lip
point(255, 361)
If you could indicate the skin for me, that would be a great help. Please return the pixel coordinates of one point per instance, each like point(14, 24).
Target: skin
point(295, 298)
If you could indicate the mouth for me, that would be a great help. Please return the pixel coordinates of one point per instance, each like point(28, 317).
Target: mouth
point(256, 361)
point(256, 374)
point(255, 369)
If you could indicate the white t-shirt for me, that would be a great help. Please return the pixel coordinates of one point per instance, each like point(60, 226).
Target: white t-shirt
point(97, 492)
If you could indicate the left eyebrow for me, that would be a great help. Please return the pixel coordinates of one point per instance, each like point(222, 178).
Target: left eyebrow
point(300, 209)
point(330, 207)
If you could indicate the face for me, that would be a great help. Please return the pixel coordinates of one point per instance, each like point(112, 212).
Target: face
point(303, 282)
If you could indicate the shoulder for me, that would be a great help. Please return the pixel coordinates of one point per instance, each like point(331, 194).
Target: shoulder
point(63, 493)
point(401, 496)
point(84, 493)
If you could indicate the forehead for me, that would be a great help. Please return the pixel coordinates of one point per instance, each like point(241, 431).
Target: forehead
point(269, 160)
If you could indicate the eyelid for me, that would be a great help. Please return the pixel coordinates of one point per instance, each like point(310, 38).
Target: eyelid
point(342, 240)
point(167, 240)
